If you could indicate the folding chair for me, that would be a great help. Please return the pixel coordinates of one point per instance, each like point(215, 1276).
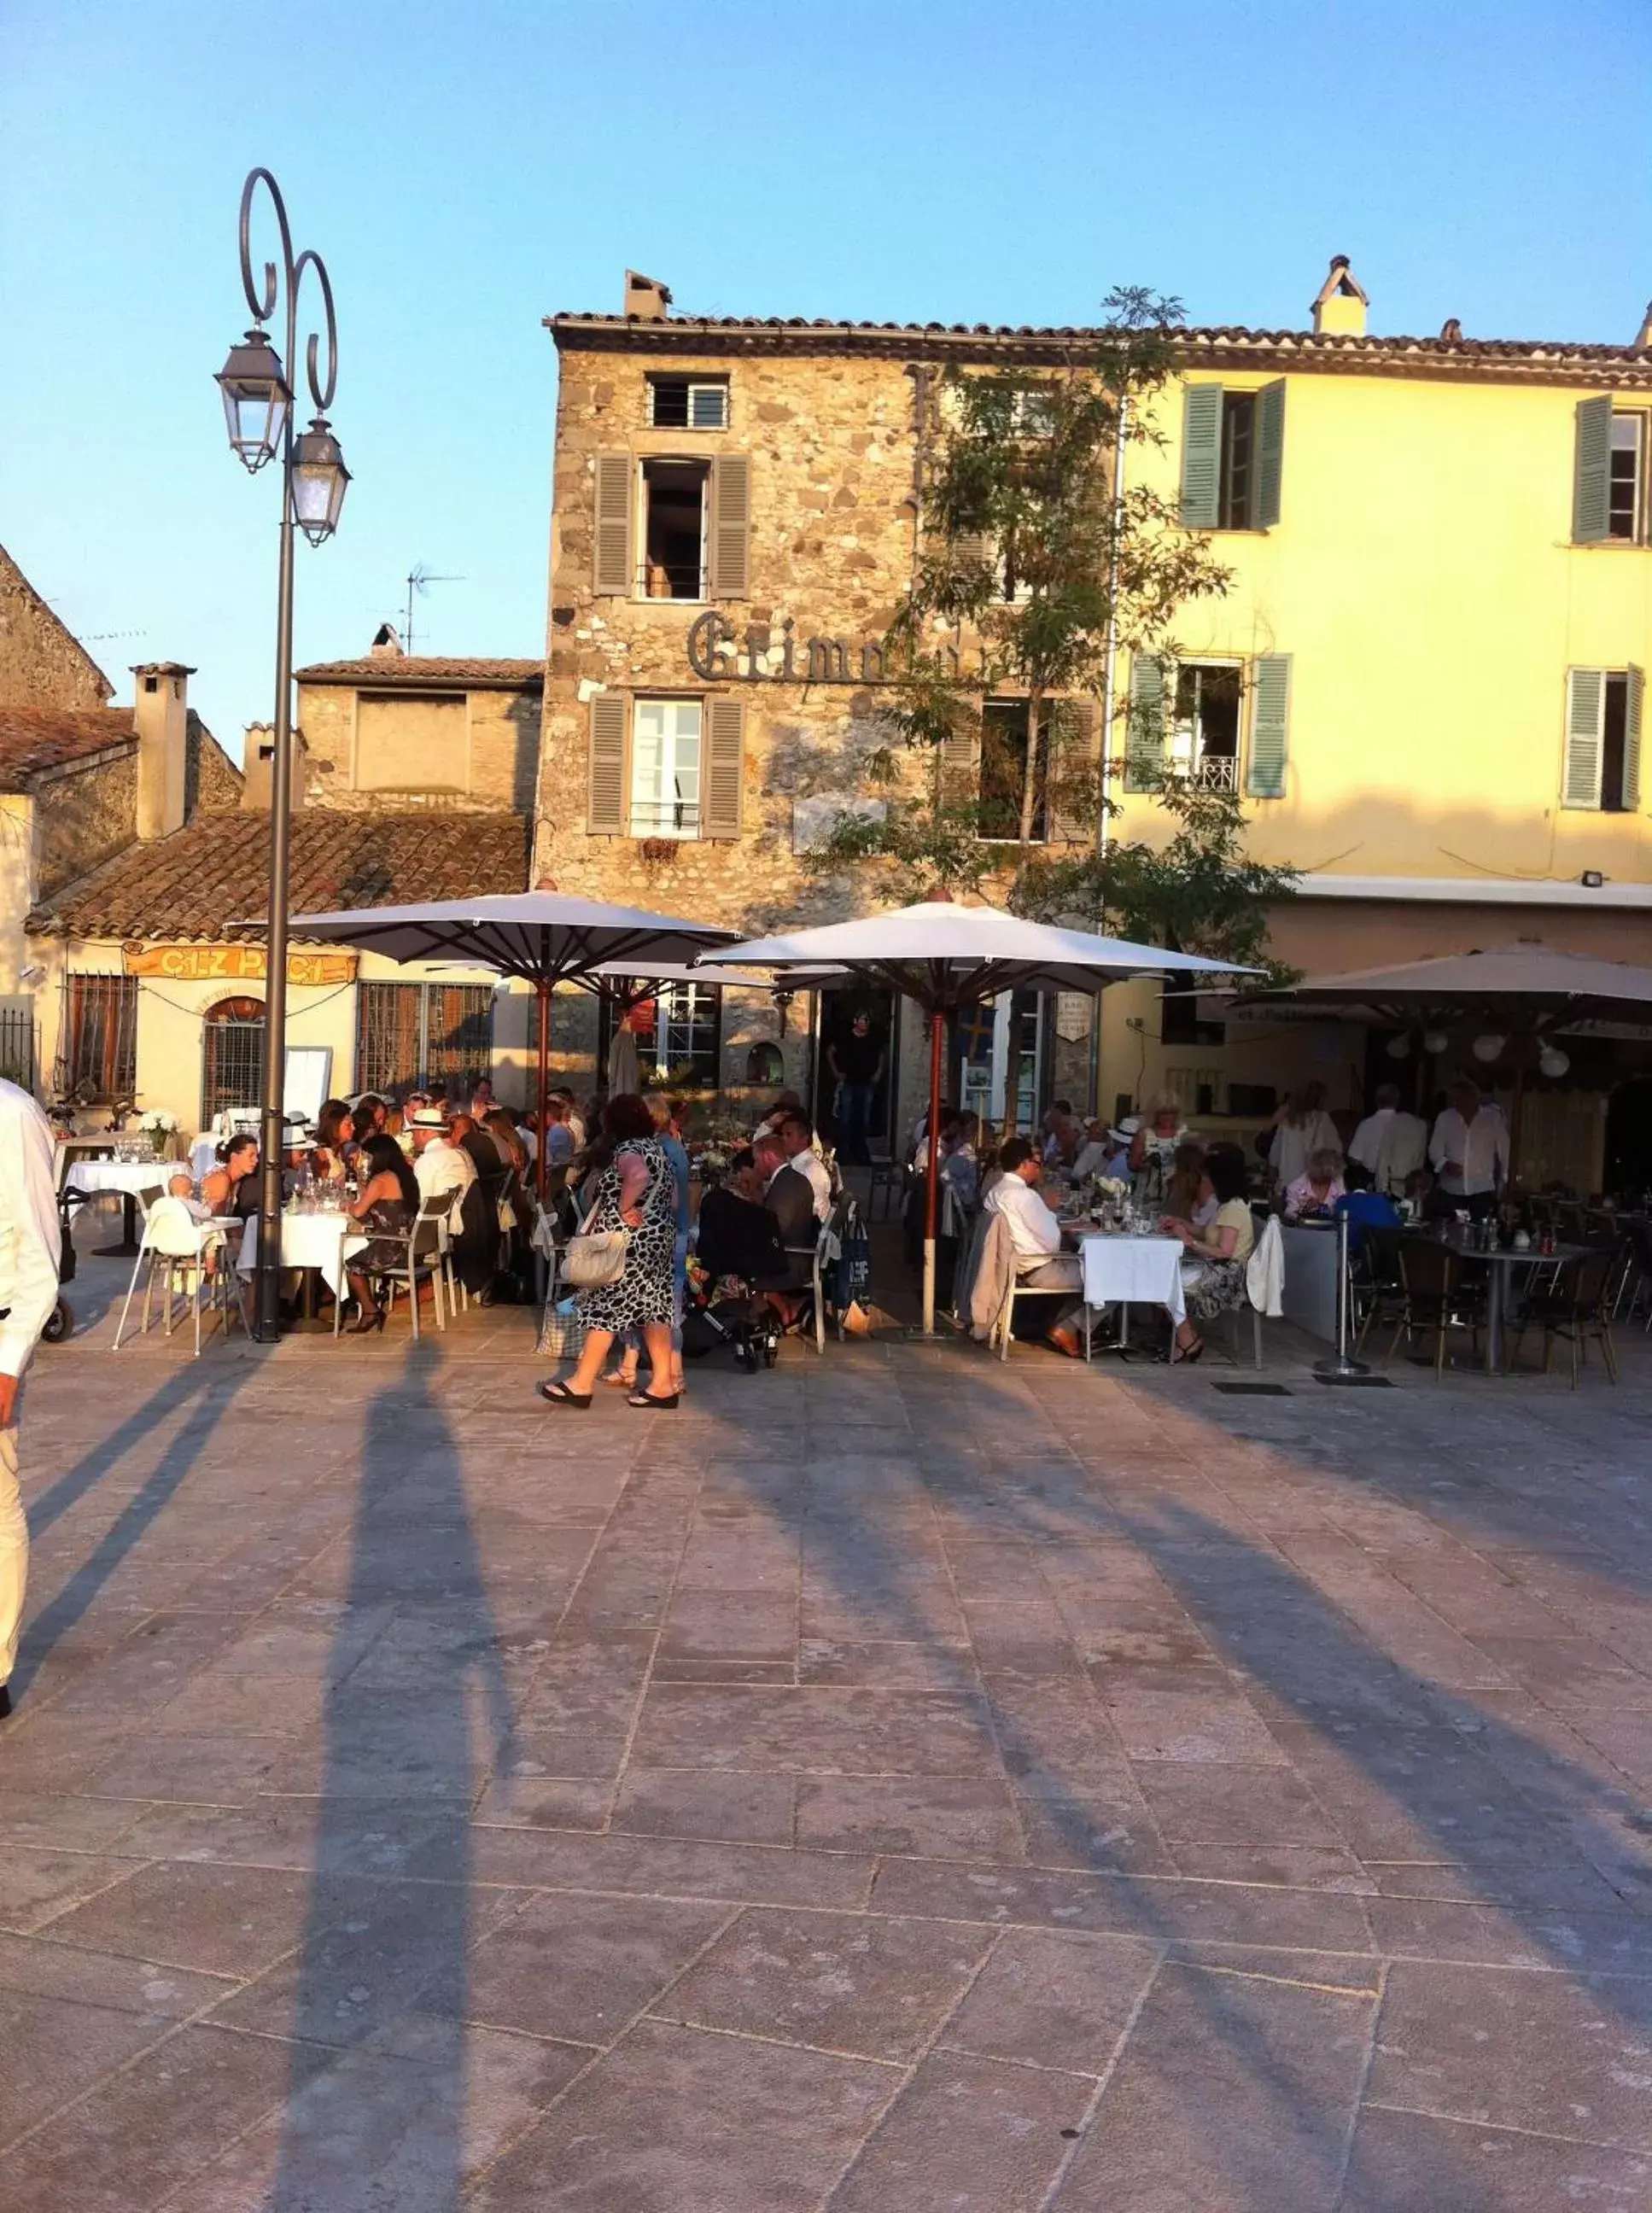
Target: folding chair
point(176, 1245)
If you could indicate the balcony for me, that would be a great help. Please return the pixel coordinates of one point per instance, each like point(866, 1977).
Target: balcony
point(665, 818)
point(1214, 772)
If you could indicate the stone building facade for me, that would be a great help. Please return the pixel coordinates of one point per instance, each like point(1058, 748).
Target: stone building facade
point(41, 663)
point(735, 521)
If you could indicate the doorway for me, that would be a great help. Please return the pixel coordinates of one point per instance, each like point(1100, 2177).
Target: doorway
point(880, 1044)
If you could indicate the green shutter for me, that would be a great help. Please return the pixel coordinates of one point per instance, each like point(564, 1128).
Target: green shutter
point(1269, 452)
point(1592, 476)
point(604, 803)
point(614, 561)
point(722, 766)
point(1201, 454)
point(1586, 696)
point(1270, 725)
point(1145, 749)
point(1636, 692)
point(1071, 809)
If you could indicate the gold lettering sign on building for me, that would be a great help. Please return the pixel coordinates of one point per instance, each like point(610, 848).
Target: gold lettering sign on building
point(232, 964)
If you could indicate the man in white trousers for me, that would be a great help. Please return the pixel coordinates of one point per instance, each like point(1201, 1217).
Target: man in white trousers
point(28, 1291)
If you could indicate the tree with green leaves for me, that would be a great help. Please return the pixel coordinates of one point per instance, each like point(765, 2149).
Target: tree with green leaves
point(1035, 568)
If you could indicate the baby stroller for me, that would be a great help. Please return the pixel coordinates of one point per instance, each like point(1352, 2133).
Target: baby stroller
point(748, 1327)
point(60, 1322)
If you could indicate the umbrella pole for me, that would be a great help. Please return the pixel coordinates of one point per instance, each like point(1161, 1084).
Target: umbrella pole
point(1516, 1117)
point(544, 990)
point(932, 1174)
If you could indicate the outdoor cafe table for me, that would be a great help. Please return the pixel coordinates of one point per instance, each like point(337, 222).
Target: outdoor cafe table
point(1119, 1269)
point(126, 1177)
point(321, 1241)
point(1501, 1265)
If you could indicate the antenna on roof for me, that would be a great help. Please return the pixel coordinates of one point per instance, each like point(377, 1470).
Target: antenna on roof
point(419, 580)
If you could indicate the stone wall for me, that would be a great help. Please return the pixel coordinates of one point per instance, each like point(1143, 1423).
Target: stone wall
point(212, 782)
point(491, 766)
point(81, 819)
point(830, 443)
point(40, 664)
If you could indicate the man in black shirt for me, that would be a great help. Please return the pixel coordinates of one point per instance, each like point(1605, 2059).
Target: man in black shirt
point(856, 1060)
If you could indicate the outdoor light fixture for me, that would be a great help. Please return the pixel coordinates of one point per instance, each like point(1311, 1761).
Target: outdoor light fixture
point(1435, 1041)
point(256, 399)
point(1489, 1047)
point(319, 481)
point(258, 406)
point(1553, 1063)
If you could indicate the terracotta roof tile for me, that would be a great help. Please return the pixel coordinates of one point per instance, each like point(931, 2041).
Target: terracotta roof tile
point(420, 670)
point(34, 740)
point(201, 881)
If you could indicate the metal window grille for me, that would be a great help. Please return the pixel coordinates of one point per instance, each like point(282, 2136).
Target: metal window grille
point(408, 1033)
point(102, 1044)
point(231, 1057)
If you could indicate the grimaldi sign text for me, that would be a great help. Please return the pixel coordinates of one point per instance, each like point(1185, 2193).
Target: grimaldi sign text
point(716, 653)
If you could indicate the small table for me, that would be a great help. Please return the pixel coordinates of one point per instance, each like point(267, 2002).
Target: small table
point(1501, 1263)
point(320, 1242)
point(1118, 1269)
point(128, 1179)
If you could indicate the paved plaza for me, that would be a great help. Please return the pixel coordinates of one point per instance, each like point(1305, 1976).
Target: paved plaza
point(896, 1782)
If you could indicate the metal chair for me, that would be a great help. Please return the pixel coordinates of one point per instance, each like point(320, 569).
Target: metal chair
point(1436, 1299)
point(1577, 1309)
point(823, 1249)
point(426, 1254)
point(176, 1247)
point(1377, 1283)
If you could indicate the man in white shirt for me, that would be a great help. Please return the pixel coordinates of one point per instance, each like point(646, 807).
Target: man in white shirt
point(1470, 1148)
point(29, 1246)
point(440, 1165)
point(1391, 1144)
point(1035, 1233)
point(797, 1137)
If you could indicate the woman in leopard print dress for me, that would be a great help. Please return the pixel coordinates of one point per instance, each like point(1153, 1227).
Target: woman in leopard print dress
point(635, 1191)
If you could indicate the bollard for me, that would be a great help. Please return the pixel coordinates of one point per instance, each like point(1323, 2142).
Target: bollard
point(1341, 1368)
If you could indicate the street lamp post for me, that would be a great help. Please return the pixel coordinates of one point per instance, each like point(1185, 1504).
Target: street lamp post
point(257, 401)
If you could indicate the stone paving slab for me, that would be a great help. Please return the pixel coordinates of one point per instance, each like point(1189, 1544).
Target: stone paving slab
point(900, 1781)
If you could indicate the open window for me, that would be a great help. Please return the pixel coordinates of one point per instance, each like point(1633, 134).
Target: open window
point(1233, 456)
point(1004, 743)
point(688, 403)
point(674, 507)
point(1204, 730)
point(1602, 769)
point(1609, 477)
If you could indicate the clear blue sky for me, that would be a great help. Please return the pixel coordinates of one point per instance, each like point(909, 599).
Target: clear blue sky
point(466, 169)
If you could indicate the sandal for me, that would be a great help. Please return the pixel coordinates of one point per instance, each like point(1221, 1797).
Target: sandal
point(664, 1400)
point(617, 1379)
point(1191, 1352)
point(558, 1395)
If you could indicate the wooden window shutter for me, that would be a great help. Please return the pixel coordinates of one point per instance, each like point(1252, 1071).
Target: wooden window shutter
point(1270, 725)
point(960, 767)
point(730, 534)
point(1633, 703)
point(604, 803)
point(1585, 702)
point(1270, 451)
point(1201, 453)
point(1072, 760)
point(616, 562)
point(1592, 472)
point(722, 768)
point(1144, 741)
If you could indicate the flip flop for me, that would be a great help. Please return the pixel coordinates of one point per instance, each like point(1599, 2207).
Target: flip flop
point(558, 1395)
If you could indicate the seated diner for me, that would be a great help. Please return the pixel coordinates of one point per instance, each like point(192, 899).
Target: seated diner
point(1213, 1266)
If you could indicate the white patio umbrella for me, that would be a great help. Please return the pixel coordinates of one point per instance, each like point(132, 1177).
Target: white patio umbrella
point(546, 937)
point(944, 956)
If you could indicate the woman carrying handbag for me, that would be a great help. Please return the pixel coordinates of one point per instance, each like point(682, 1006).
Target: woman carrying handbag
point(630, 1287)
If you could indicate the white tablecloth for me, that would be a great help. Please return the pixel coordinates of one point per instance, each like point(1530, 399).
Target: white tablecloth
point(1140, 1271)
point(120, 1175)
point(308, 1241)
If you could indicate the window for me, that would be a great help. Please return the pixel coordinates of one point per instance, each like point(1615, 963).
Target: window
point(688, 403)
point(231, 1057)
point(1626, 479)
point(414, 1033)
point(1003, 770)
point(1205, 735)
point(101, 1051)
point(673, 529)
point(1233, 456)
point(665, 769)
point(687, 1025)
point(1602, 765)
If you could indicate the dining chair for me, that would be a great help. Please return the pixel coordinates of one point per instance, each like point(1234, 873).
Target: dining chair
point(426, 1254)
point(1437, 1300)
point(1578, 1309)
point(176, 1247)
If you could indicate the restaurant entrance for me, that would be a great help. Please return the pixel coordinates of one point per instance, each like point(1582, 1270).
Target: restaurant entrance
point(866, 1058)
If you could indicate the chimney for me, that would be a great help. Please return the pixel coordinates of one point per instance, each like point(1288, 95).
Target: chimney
point(160, 717)
point(646, 298)
point(1643, 336)
point(1340, 306)
point(258, 768)
point(387, 644)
